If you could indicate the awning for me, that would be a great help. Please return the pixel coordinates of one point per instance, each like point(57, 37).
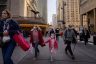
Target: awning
point(29, 20)
point(31, 25)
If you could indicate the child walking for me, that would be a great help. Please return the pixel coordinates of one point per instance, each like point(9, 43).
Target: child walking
point(53, 45)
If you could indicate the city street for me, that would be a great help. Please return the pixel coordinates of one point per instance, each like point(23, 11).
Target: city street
point(84, 55)
point(34, 18)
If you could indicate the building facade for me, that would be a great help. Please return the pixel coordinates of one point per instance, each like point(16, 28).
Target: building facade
point(69, 12)
point(42, 7)
point(88, 9)
point(59, 11)
point(18, 8)
point(24, 8)
point(54, 21)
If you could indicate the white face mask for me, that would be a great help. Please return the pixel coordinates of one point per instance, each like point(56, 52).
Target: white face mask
point(52, 35)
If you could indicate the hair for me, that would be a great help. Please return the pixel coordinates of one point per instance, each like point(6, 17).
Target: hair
point(8, 13)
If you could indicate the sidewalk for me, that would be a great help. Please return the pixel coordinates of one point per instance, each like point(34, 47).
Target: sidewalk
point(84, 55)
point(17, 56)
point(90, 41)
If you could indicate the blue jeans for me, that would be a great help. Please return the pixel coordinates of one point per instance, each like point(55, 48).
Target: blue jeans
point(35, 44)
point(7, 51)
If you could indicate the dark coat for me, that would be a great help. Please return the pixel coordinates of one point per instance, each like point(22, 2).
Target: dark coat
point(13, 29)
point(87, 35)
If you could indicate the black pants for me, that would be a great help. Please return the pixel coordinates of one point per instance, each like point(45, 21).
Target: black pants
point(68, 48)
point(86, 40)
point(35, 44)
point(57, 36)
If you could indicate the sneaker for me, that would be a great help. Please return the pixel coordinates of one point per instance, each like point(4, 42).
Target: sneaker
point(66, 52)
point(51, 59)
point(73, 58)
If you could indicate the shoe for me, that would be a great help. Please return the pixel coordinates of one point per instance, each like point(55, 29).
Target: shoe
point(51, 59)
point(73, 58)
point(66, 52)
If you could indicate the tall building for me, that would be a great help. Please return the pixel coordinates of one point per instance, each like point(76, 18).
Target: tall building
point(26, 12)
point(54, 21)
point(71, 13)
point(59, 9)
point(59, 13)
point(88, 9)
point(68, 11)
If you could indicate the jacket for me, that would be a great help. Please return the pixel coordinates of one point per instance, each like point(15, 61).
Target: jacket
point(55, 43)
point(13, 27)
point(69, 34)
point(40, 36)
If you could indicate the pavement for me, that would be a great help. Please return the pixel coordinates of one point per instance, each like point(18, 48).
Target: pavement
point(17, 56)
point(83, 54)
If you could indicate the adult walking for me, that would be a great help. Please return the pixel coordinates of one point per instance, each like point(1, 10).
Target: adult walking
point(68, 37)
point(51, 31)
point(86, 35)
point(57, 33)
point(36, 39)
point(76, 34)
point(81, 33)
point(8, 27)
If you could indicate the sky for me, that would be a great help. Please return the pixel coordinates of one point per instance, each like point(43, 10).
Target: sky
point(51, 9)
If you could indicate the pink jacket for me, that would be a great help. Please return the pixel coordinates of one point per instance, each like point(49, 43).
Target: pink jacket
point(55, 43)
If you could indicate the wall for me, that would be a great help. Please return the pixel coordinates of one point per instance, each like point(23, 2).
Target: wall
point(87, 6)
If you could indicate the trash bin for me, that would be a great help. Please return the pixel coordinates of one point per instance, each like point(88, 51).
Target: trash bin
point(94, 39)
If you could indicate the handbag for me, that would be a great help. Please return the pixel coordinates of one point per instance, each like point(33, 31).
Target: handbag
point(20, 40)
point(5, 39)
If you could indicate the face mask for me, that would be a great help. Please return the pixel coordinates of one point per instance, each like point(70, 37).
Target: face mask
point(52, 35)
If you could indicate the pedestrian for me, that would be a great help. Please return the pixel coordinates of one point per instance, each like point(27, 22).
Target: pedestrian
point(57, 33)
point(86, 35)
point(81, 33)
point(8, 27)
point(53, 45)
point(68, 37)
point(36, 38)
point(51, 31)
point(76, 34)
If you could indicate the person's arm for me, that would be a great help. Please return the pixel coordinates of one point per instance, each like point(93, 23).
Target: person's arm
point(1, 29)
point(47, 41)
point(64, 35)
